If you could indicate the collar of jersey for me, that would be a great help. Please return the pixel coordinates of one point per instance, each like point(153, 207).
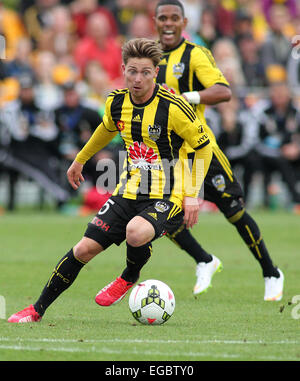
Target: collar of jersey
point(141, 105)
point(176, 47)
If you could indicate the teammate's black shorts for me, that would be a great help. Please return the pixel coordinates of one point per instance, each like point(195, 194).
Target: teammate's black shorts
point(221, 186)
point(109, 224)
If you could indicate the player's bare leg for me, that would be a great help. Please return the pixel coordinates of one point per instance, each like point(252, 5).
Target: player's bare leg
point(139, 233)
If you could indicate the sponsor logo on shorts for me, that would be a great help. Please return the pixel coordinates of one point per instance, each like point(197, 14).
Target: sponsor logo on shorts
point(100, 223)
point(219, 183)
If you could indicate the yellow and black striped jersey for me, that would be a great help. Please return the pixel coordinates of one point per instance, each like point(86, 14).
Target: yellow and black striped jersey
point(153, 134)
point(190, 67)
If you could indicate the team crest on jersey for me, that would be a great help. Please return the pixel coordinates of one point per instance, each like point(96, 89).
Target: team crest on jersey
point(219, 183)
point(154, 132)
point(143, 157)
point(178, 70)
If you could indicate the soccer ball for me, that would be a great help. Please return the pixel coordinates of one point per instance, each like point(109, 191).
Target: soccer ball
point(152, 302)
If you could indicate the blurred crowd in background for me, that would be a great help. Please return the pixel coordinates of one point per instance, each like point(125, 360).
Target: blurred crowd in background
point(62, 58)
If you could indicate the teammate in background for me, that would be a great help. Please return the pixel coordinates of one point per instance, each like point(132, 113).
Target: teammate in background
point(149, 198)
point(191, 71)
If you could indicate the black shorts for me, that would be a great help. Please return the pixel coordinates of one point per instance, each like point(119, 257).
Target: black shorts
point(221, 186)
point(109, 224)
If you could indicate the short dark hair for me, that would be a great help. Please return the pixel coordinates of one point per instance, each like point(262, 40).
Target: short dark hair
point(169, 2)
point(142, 48)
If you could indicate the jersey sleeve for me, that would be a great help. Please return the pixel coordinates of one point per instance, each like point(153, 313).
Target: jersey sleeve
point(205, 68)
point(107, 118)
point(186, 124)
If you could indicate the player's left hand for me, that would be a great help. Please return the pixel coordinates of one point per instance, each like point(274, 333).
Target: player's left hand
point(191, 209)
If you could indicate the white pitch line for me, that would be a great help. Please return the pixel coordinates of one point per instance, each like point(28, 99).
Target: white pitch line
point(113, 351)
point(147, 341)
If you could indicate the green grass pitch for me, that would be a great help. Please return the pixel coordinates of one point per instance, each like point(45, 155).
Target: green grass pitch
point(229, 322)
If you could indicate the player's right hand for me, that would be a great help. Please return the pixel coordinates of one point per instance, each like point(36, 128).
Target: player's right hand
point(74, 175)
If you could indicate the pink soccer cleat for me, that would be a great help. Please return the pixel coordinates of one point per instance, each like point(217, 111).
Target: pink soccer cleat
point(113, 293)
point(27, 315)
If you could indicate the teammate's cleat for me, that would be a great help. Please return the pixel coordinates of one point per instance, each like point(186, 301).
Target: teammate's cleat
point(113, 293)
point(204, 274)
point(27, 315)
point(274, 287)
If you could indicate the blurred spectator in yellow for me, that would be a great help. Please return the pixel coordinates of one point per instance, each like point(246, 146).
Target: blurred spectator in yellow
point(99, 45)
point(276, 73)
point(12, 28)
point(9, 87)
point(258, 19)
point(125, 10)
point(82, 9)
point(37, 16)
point(58, 35)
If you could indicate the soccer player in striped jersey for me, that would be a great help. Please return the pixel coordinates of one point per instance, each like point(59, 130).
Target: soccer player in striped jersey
point(151, 196)
point(190, 70)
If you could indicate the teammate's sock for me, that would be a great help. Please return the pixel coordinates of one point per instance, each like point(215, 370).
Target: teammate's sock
point(62, 277)
point(250, 233)
point(187, 242)
point(136, 259)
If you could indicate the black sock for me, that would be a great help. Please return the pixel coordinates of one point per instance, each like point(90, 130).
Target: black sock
point(62, 277)
point(136, 259)
point(184, 239)
point(250, 233)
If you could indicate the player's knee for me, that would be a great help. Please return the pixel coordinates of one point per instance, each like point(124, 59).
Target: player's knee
point(139, 231)
point(134, 236)
point(86, 249)
point(235, 211)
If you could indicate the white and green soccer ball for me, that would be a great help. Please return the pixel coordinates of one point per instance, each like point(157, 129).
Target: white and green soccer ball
point(152, 302)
